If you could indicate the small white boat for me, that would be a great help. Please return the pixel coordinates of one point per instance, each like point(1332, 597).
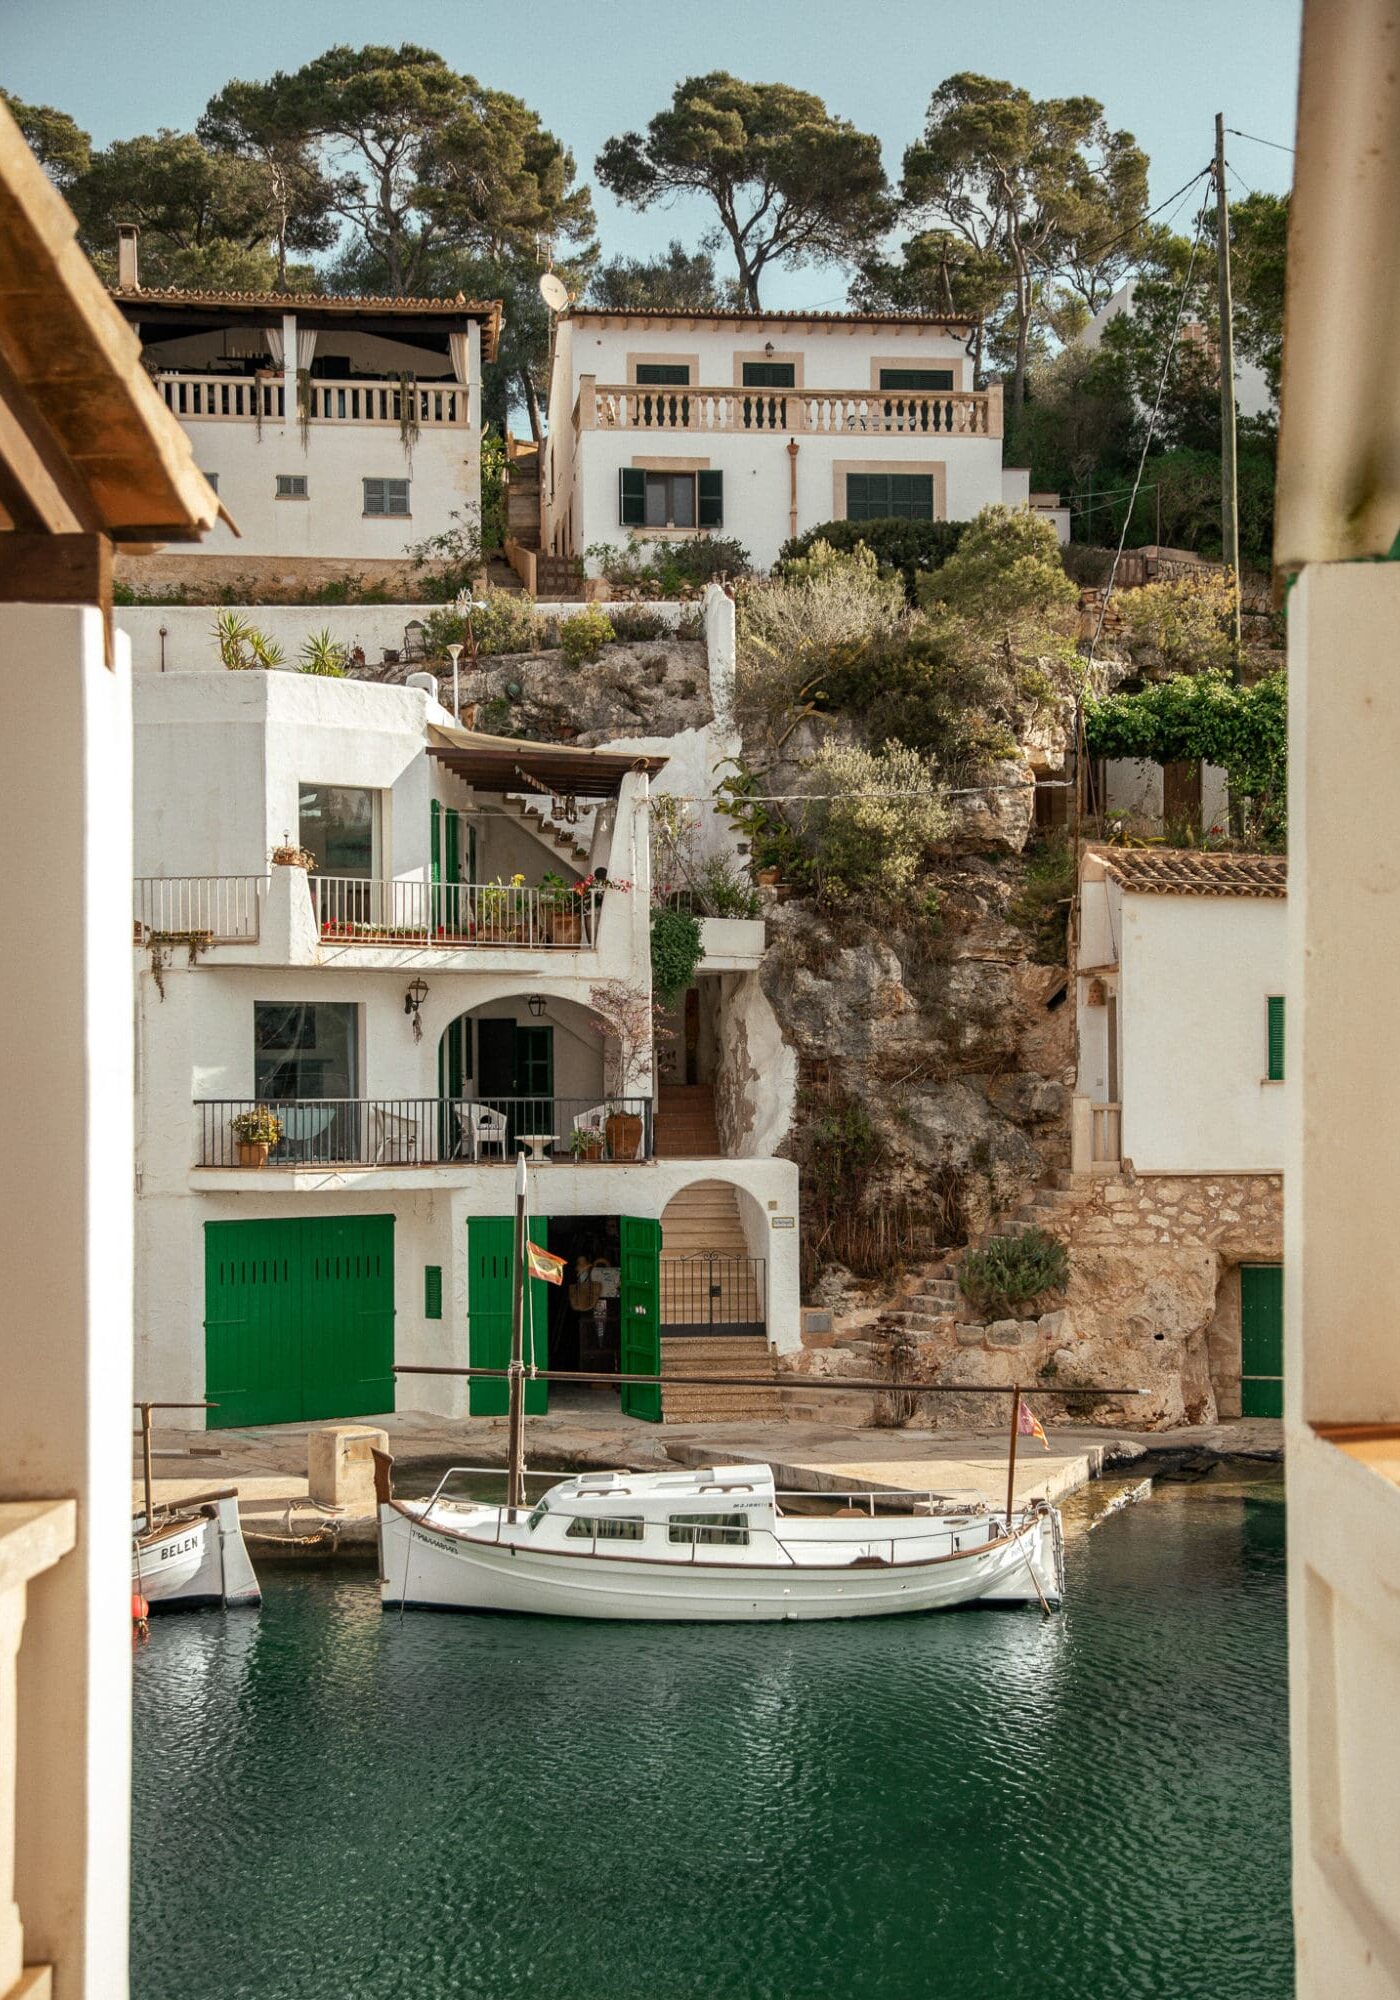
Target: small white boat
point(705, 1545)
point(193, 1554)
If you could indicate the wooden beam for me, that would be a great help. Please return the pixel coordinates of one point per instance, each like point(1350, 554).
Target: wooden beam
point(59, 569)
point(37, 465)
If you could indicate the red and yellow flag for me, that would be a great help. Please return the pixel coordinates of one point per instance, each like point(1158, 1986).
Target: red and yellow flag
point(544, 1264)
point(1028, 1425)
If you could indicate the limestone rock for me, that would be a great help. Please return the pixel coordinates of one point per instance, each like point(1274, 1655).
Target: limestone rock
point(1006, 1333)
point(999, 816)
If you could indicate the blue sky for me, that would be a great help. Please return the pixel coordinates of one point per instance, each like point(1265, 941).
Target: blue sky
point(594, 67)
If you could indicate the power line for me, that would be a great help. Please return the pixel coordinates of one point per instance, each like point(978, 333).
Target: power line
point(1254, 139)
point(1236, 175)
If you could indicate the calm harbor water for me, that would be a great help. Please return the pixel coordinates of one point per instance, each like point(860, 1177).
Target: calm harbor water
point(337, 1804)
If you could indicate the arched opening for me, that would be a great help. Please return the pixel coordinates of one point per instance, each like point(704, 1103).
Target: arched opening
point(538, 1074)
point(712, 1283)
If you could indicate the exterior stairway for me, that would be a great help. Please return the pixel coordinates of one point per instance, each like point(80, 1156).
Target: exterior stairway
point(570, 843)
point(686, 1130)
point(703, 1221)
point(933, 1293)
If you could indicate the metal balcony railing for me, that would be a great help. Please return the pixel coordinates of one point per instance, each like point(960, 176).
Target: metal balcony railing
point(454, 915)
point(713, 1295)
point(228, 908)
point(424, 1131)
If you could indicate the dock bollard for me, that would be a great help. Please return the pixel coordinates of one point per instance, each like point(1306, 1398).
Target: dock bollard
point(340, 1466)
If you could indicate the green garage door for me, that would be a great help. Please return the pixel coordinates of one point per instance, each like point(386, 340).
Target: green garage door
point(299, 1319)
point(1261, 1340)
point(641, 1314)
point(490, 1272)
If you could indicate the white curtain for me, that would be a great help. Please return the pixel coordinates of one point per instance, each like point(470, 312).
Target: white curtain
point(273, 336)
point(306, 348)
point(458, 348)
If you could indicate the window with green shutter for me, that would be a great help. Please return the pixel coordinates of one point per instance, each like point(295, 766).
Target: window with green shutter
point(711, 496)
point(916, 378)
point(632, 497)
point(663, 375)
point(1275, 1069)
point(889, 496)
point(432, 1291)
point(770, 375)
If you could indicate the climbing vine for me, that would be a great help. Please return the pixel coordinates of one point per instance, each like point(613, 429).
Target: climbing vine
point(1243, 729)
point(676, 950)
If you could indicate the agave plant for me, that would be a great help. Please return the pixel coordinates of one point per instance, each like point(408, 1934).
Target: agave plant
point(321, 654)
point(242, 646)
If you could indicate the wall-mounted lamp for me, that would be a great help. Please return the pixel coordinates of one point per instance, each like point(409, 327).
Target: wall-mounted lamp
point(536, 1004)
point(414, 996)
point(164, 635)
point(768, 347)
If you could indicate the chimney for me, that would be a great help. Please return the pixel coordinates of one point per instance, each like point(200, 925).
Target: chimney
point(128, 267)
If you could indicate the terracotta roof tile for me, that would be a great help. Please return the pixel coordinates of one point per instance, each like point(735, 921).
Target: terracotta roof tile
point(757, 318)
point(1169, 871)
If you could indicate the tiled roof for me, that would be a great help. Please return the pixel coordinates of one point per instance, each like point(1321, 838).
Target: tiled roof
point(1168, 871)
point(761, 317)
point(332, 304)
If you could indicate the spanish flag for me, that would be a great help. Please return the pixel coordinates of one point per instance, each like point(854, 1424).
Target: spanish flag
point(544, 1264)
point(1028, 1425)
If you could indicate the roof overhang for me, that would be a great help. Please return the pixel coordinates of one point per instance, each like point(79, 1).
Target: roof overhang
point(501, 764)
point(87, 447)
point(815, 322)
point(173, 311)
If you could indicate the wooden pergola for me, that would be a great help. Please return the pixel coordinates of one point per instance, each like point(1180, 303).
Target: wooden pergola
point(90, 458)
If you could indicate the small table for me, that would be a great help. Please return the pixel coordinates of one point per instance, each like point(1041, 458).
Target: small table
point(537, 1141)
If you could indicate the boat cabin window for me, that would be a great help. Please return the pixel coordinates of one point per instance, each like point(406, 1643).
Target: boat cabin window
point(731, 1528)
point(541, 1509)
point(606, 1528)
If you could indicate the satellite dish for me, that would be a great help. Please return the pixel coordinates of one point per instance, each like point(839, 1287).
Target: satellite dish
point(553, 291)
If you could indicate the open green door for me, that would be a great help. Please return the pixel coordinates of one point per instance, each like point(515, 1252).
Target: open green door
point(640, 1305)
point(1261, 1340)
point(490, 1274)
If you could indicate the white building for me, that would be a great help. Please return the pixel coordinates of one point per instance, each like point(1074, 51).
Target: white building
point(432, 996)
point(336, 431)
point(758, 426)
point(1181, 958)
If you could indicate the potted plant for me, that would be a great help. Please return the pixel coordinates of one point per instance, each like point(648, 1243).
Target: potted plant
point(586, 1145)
point(257, 1132)
point(629, 1021)
point(624, 1133)
point(561, 909)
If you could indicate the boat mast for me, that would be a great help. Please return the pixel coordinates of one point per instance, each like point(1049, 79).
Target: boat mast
point(1011, 1456)
point(515, 1476)
point(145, 1409)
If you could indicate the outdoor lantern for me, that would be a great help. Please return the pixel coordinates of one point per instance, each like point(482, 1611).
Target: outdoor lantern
point(536, 1004)
point(415, 995)
point(454, 653)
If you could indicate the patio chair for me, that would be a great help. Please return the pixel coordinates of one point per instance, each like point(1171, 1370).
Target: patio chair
point(398, 1136)
point(482, 1126)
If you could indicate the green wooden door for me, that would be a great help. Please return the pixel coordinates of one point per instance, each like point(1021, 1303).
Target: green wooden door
point(1261, 1340)
point(299, 1319)
point(490, 1275)
point(640, 1307)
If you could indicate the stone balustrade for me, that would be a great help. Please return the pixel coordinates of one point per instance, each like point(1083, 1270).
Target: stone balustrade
point(822, 412)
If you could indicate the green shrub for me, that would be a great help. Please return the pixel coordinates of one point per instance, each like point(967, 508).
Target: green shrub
point(584, 635)
point(321, 654)
point(927, 688)
point(872, 821)
point(503, 621)
point(1010, 1271)
point(669, 569)
point(1042, 903)
point(676, 951)
point(447, 562)
point(914, 548)
point(241, 645)
point(633, 622)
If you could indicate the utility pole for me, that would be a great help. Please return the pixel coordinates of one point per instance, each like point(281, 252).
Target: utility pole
point(1229, 484)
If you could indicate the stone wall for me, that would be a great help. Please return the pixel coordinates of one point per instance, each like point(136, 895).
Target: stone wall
point(250, 579)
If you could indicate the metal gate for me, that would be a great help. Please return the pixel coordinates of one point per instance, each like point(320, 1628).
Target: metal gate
point(713, 1295)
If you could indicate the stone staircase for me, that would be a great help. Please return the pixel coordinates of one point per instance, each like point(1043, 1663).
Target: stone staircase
point(703, 1221)
point(934, 1293)
point(573, 844)
point(686, 1129)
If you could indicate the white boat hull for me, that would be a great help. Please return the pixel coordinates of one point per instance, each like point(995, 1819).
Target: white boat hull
point(204, 1561)
point(468, 1571)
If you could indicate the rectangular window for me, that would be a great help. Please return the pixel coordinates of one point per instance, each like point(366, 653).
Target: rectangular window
point(770, 374)
point(1275, 1069)
point(339, 825)
point(889, 496)
point(709, 1528)
point(663, 374)
point(304, 1049)
point(386, 496)
point(605, 1528)
point(432, 1291)
point(916, 378)
point(291, 486)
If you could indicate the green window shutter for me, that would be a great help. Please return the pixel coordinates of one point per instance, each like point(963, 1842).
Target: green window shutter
point(663, 375)
point(632, 497)
point(432, 1291)
point(639, 1305)
point(435, 838)
point(916, 378)
point(710, 487)
point(1275, 1069)
point(770, 375)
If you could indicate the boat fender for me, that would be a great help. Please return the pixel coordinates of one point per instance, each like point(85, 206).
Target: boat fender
point(140, 1613)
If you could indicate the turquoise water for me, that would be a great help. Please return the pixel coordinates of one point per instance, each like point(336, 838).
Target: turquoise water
point(333, 1803)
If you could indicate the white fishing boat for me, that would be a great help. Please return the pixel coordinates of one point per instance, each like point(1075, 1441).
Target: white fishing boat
point(706, 1545)
point(193, 1554)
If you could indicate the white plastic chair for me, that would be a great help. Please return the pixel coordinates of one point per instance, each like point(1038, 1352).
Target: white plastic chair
point(482, 1126)
point(399, 1136)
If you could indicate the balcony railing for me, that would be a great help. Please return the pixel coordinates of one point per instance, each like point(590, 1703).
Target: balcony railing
point(453, 915)
point(426, 1131)
point(226, 907)
point(252, 398)
point(713, 1295)
point(844, 412)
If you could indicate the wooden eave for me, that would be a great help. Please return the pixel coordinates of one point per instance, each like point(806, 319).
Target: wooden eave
point(812, 322)
point(501, 764)
point(171, 311)
point(86, 444)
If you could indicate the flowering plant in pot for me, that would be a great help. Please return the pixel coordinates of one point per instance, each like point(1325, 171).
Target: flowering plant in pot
point(257, 1132)
point(586, 1145)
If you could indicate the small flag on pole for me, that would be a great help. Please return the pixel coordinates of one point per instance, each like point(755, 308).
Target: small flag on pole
point(1028, 1424)
point(544, 1264)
